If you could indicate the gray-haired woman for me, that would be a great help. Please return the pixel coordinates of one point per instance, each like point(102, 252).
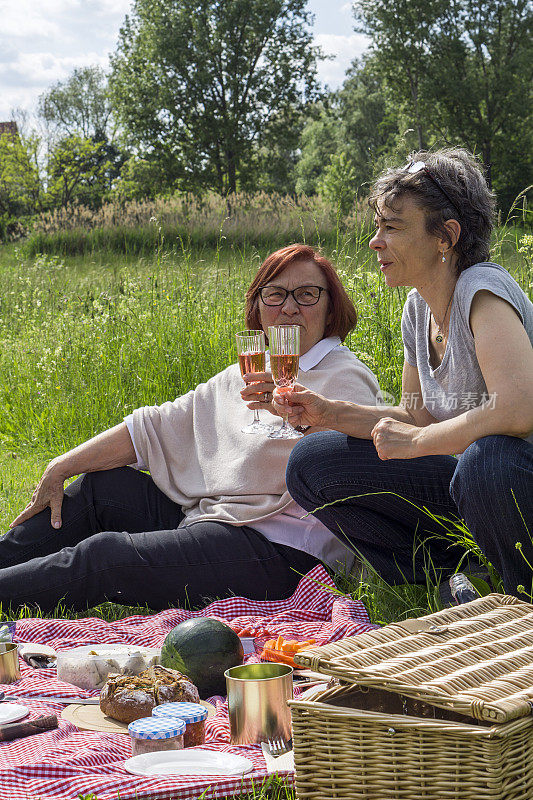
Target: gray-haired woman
point(467, 331)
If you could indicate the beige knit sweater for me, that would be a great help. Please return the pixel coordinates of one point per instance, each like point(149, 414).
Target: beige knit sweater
point(198, 457)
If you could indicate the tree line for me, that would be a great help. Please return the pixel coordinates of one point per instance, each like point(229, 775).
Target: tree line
point(224, 97)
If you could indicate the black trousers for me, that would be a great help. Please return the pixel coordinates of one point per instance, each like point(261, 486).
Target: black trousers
point(120, 541)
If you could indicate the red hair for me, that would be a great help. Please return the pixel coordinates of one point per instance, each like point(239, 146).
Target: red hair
point(342, 316)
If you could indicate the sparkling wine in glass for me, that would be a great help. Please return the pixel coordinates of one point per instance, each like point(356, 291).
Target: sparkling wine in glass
point(284, 345)
point(251, 350)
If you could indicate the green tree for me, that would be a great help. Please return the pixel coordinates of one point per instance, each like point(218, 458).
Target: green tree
point(273, 164)
point(462, 70)
point(79, 106)
point(320, 140)
point(350, 137)
point(139, 178)
point(206, 86)
point(486, 100)
point(370, 120)
point(338, 183)
point(78, 172)
point(20, 183)
point(402, 32)
point(79, 110)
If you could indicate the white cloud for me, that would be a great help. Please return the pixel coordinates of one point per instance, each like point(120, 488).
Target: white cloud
point(41, 43)
point(25, 78)
point(25, 18)
point(344, 49)
point(120, 7)
point(43, 69)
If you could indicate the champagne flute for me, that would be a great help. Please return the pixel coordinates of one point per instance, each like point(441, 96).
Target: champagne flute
point(284, 345)
point(251, 350)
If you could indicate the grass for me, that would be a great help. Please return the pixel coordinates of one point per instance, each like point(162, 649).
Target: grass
point(85, 339)
point(128, 228)
point(272, 788)
point(88, 337)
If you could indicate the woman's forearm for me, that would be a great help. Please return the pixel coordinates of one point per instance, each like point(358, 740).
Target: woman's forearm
point(110, 449)
point(455, 435)
point(358, 421)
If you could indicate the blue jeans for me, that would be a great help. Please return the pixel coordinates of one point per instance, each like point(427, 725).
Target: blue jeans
point(383, 515)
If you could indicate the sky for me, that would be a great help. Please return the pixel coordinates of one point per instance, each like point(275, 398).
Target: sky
point(43, 41)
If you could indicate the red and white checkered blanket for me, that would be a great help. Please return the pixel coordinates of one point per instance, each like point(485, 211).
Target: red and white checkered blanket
point(64, 763)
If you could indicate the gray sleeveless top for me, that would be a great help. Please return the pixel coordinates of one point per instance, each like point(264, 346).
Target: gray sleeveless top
point(457, 384)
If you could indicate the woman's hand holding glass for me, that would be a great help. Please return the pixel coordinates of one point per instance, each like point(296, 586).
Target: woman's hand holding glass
point(302, 407)
point(251, 351)
point(258, 391)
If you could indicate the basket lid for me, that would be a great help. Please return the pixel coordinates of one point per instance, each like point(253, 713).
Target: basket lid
point(476, 659)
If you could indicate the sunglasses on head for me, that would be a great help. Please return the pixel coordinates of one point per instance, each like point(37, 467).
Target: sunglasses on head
point(419, 166)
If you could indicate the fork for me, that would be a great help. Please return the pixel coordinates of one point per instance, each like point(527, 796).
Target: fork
point(278, 746)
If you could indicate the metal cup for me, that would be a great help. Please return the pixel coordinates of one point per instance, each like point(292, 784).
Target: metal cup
point(9, 662)
point(257, 702)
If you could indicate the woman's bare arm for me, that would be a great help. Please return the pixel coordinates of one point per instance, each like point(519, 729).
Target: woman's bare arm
point(308, 408)
point(505, 358)
point(112, 448)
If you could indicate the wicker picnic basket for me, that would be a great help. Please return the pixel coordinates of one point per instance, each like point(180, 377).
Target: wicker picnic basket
point(437, 707)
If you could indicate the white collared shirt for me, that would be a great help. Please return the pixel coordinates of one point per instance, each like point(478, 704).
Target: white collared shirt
point(291, 527)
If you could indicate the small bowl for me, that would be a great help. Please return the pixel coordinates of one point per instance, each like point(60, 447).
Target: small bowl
point(259, 643)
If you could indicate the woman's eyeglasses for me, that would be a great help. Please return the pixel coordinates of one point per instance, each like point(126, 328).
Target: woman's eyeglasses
point(303, 295)
point(419, 166)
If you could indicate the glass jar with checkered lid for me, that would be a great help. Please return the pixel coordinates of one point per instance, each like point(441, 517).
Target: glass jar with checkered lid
point(153, 734)
point(193, 714)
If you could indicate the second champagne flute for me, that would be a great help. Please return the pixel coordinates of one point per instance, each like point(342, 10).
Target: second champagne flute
point(251, 349)
point(284, 346)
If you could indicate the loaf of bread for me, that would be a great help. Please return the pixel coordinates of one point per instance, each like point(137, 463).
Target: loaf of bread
point(129, 697)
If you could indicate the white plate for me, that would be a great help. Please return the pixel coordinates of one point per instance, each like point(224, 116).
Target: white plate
point(188, 762)
point(12, 712)
point(35, 649)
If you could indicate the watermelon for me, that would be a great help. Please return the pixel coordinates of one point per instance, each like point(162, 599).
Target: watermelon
point(203, 649)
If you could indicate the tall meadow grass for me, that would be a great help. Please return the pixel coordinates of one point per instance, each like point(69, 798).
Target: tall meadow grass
point(101, 312)
point(87, 338)
point(204, 220)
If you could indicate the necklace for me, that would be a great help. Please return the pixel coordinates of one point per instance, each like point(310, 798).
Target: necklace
point(440, 336)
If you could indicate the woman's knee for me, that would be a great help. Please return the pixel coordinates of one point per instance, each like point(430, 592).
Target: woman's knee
point(95, 484)
point(305, 457)
point(101, 552)
point(486, 470)
point(319, 458)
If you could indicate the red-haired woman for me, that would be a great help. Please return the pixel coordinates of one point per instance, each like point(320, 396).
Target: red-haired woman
point(213, 516)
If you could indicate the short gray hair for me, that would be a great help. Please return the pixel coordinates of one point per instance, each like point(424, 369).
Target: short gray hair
point(462, 180)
